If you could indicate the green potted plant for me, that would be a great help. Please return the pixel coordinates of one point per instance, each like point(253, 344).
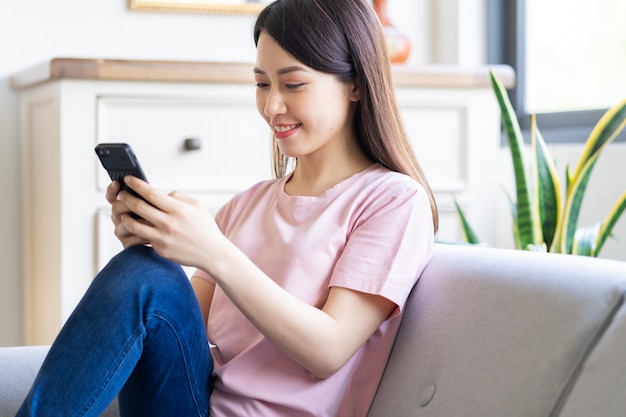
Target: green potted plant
point(545, 213)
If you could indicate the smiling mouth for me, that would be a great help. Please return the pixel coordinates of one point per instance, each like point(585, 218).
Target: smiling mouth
point(287, 128)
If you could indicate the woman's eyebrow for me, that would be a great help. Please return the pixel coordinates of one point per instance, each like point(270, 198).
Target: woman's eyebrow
point(282, 71)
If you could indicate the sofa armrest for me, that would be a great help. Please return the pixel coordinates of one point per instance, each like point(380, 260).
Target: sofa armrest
point(18, 369)
point(496, 332)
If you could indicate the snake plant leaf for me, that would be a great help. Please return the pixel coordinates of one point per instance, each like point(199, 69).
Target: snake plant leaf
point(609, 126)
point(542, 219)
point(568, 178)
point(585, 240)
point(548, 200)
point(609, 222)
point(573, 203)
point(468, 232)
point(525, 216)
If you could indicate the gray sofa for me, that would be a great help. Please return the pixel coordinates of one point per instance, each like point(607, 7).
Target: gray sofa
point(487, 333)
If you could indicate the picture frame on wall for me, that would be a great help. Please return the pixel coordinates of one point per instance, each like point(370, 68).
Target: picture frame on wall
point(200, 6)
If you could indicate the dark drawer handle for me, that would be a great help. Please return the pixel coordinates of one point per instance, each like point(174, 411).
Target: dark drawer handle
point(192, 144)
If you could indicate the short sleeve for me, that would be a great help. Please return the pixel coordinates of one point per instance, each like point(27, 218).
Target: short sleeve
point(388, 247)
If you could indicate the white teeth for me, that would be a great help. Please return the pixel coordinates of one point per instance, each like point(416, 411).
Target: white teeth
point(281, 129)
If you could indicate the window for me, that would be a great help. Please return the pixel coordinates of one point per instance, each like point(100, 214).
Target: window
point(569, 57)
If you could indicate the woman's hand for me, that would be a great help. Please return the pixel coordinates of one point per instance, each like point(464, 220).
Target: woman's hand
point(177, 226)
point(118, 209)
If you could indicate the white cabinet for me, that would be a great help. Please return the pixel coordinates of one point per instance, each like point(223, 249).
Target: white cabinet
point(68, 106)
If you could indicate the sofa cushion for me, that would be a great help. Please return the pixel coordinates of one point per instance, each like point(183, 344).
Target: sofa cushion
point(492, 332)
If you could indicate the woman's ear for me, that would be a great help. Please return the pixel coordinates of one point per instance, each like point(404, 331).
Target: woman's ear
point(355, 92)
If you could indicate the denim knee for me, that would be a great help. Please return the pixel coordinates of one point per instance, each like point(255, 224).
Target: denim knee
point(139, 269)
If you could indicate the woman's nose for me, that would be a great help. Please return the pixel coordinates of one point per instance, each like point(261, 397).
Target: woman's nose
point(275, 104)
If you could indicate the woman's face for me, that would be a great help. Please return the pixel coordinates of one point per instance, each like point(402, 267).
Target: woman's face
point(309, 112)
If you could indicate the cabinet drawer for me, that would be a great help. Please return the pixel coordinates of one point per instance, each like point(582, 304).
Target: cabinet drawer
point(234, 141)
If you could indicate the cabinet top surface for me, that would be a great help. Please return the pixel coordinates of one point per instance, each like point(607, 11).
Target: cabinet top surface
point(226, 72)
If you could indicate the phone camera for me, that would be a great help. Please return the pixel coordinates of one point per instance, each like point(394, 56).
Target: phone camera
point(104, 152)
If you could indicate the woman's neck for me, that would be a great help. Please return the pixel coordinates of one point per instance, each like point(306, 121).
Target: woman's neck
point(311, 178)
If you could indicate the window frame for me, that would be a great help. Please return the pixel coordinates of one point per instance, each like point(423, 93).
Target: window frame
point(506, 23)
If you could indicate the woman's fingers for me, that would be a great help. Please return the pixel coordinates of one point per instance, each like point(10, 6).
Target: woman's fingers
point(149, 193)
point(112, 190)
point(118, 209)
point(152, 204)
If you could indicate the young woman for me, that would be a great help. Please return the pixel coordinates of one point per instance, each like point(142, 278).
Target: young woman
point(301, 280)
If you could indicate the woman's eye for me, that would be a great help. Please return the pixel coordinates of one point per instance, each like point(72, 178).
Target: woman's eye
point(261, 85)
point(292, 86)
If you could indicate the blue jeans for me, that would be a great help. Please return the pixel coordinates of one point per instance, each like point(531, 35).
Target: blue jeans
point(139, 332)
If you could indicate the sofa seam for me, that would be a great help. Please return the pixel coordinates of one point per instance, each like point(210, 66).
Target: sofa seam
point(577, 370)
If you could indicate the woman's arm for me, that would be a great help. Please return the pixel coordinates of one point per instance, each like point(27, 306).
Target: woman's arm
point(204, 293)
point(320, 340)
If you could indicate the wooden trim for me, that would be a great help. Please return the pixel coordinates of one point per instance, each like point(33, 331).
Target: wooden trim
point(225, 72)
point(451, 76)
point(134, 70)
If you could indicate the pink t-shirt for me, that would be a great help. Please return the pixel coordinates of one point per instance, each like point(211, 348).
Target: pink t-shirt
point(372, 233)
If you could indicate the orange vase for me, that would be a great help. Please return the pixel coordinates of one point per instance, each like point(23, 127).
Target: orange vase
point(398, 43)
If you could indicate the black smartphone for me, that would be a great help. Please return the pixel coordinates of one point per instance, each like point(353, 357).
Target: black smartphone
point(119, 160)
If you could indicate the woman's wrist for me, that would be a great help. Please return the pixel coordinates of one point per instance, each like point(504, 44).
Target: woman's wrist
point(221, 259)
